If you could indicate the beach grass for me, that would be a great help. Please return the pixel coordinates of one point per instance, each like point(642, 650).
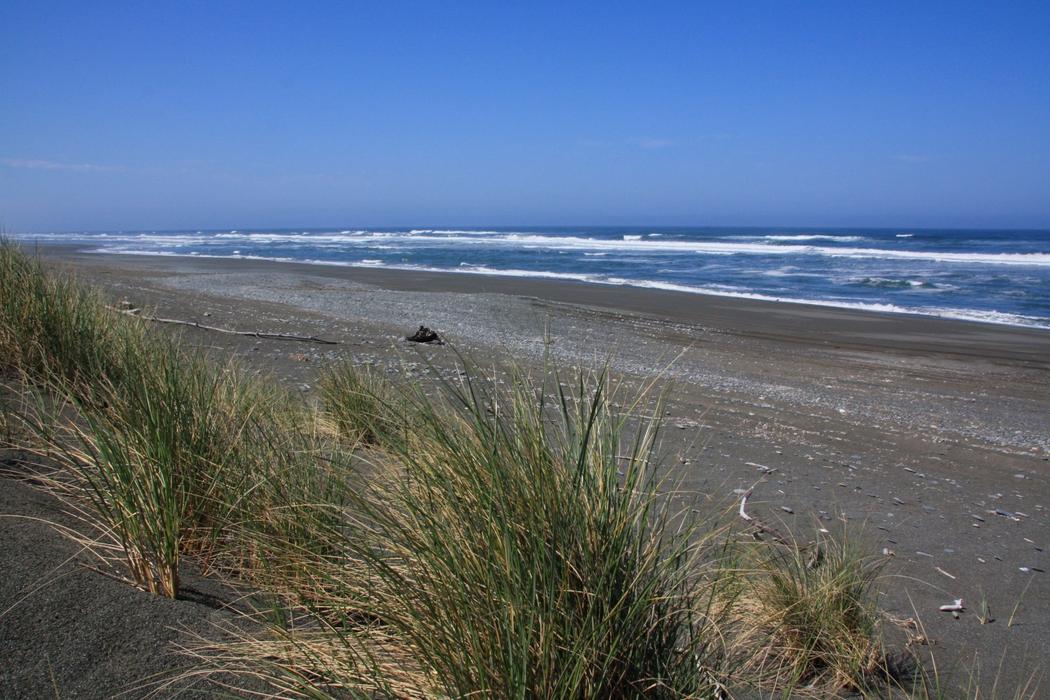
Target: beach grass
point(809, 617)
point(173, 450)
point(53, 327)
point(516, 546)
point(363, 405)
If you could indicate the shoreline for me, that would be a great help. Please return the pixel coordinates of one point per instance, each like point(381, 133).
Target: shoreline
point(741, 314)
point(990, 317)
point(974, 384)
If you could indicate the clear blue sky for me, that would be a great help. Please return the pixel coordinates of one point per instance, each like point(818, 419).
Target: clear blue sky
point(221, 114)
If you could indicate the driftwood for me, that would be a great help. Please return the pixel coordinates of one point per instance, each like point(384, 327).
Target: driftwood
point(424, 335)
point(760, 528)
point(216, 329)
point(815, 553)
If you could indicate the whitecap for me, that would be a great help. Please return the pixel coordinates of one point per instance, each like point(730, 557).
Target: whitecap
point(814, 237)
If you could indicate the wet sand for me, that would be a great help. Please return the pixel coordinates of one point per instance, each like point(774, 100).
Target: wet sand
point(930, 435)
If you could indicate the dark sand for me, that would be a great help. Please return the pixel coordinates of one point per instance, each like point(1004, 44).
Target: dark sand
point(917, 430)
point(67, 631)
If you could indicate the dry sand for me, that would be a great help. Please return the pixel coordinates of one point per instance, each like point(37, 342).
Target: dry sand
point(932, 436)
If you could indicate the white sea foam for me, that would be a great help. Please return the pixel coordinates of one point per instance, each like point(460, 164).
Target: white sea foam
point(728, 248)
point(629, 244)
point(814, 237)
point(788, 271)
point(464, 232)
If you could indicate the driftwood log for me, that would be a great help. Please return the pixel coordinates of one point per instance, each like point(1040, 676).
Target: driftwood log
point(216, 329)
point(424, 335)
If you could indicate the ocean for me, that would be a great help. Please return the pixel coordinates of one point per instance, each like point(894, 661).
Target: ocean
point(984, 276)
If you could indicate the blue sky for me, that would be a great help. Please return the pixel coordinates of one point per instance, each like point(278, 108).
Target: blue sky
point(222, 114)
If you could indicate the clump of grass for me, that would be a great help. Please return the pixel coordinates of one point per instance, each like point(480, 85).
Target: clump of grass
point(170, 450)
point(166, 457)
point(512, 546)
point(52, 327)
point(364, 406)
point(809, 617)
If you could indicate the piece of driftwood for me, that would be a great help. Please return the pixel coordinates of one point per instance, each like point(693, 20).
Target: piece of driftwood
point(253, 334)
point(760, 528)
point(424, 335)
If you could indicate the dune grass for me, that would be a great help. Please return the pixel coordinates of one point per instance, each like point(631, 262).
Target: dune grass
point(477, 541)
point(517, 547)
point(363, 405)
point(809, 616)
point(173, 451)
point(53, 327)
point(167, 457)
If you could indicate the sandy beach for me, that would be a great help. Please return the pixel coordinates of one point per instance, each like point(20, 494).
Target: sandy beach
point(930, 436)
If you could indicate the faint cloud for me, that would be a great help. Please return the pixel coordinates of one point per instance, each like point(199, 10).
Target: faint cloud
point(32, 164)
point(911, 158)
point(653, 143)
point(648, 143)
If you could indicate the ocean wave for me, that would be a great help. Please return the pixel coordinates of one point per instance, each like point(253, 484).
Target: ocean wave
point(898, 283)
point(785, 272)
point(463, 232)
point(170, 254)
point(727, 248)
point(889, 283)
point(815, 237)
point(629, 243)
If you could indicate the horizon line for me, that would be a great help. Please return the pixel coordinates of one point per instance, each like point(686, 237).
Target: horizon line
point(511, 227)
